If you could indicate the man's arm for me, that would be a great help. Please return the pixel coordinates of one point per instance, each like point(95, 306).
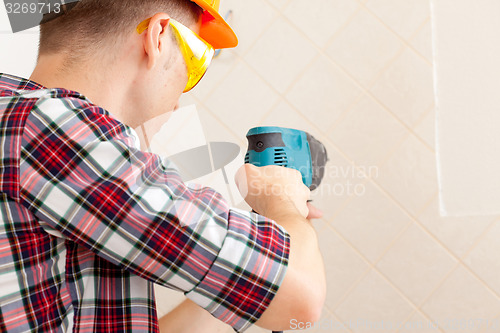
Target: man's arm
point(278, 193)
point(302, 293)
point(88, 181)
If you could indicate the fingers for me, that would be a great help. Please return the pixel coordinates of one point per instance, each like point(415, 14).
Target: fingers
point(314, 212)
point(243, 177)
point(264, 188)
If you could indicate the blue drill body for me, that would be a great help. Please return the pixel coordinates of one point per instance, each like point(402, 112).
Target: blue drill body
point(290, 148)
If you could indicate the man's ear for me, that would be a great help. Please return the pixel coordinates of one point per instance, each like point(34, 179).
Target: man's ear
point(154, 39)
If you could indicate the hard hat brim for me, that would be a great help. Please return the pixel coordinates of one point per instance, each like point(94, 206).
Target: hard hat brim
point(214, 29)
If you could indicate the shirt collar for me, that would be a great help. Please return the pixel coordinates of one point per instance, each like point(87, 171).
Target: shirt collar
point(12, 82)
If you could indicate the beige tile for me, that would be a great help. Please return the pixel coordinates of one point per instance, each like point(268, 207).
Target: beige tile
point(416, 264)
point(341, 183)
point(404, 17)
point(217, 130)
point(489, 326)
point(252, 329)
point(426, 129)
point(249, 20)
point(461, 297)
point(219, 68)
point(281, 54)
point(410, 175)
point(327, 323)
point(279, 4)
point(458, 234)
point(323, 93)
point(364, 47)
point(485, 258)
point(167, 299)
point(343, 265)
point(242, 105)
point(374, 306)
point(406, 88)
point(419, 324)
point(422, 41)
point(188, 99)
point(321, 20)
point(284, 115)
point(331, 324)
point(371, 221)
point(368, 133)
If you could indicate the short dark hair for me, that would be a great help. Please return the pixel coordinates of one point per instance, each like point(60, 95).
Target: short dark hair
point(92, 24)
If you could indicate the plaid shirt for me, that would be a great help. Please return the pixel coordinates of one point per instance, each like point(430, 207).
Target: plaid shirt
point(88, 222)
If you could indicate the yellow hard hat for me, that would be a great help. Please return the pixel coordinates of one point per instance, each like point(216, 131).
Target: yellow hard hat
point(214, 29)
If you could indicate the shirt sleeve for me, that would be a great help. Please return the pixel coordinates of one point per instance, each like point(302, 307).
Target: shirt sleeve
point(85, 179)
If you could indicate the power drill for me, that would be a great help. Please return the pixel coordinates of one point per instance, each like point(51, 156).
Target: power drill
point(290, 148)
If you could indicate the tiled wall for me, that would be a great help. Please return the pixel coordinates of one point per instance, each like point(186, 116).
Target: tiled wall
point(357, 74)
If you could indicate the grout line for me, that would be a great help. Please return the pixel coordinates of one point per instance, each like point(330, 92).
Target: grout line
point(361, 86)
point(390, 196)
point(372, 267)
point(419, 122)
point(343, 115)
point(401, 38)
point(340, 321)
point(222, 123)
point(377, 185)
point(272, 21)
point(341, 28)
point(439, 284)
point(495, 321)
point(278, 8)
point(454, 256)
point(239, 57)
point(344, 204)
point(385, 68)
point(321, 52)
point(393, 150)
point(370, 94)
point(220, 80)
point(267, 114)
point(301, 74)
point(288, 89)
point(419, 30)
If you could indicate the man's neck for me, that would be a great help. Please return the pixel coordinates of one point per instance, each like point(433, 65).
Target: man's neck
point(97, 82)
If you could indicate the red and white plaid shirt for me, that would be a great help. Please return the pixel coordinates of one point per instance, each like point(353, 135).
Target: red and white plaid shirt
point(88, 222)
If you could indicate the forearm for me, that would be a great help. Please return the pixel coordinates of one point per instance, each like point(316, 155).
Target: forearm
point(305, 256)
point(189, 317)
point(301, 295)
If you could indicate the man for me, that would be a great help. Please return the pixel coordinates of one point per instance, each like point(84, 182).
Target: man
point(88, 221)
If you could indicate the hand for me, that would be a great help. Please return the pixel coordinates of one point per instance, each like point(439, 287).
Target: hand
point(314, 212)
point(273, 190)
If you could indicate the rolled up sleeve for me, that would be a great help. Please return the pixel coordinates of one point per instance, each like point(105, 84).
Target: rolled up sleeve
point(247, 272)
point(85, 181)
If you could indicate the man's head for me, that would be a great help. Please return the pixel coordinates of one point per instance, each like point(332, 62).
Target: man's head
point(95, 24)
point(96, 49)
